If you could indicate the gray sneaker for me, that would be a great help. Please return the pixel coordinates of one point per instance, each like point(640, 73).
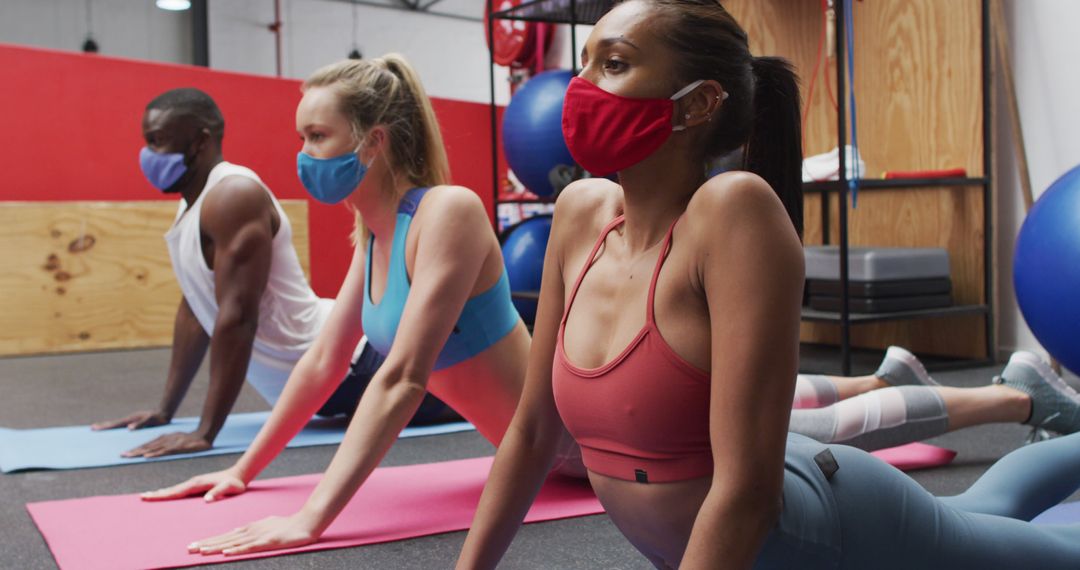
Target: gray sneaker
point(901, 368)
point(1054, 405)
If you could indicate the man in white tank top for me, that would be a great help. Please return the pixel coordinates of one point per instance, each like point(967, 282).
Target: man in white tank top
point(245, 296)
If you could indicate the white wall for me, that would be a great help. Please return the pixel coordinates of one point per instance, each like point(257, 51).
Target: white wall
point(1044, 54)
point(126, 28)
point(450, 55)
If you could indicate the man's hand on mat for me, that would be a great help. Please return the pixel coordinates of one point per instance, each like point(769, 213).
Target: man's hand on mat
point(214, 486)
point(170, 444)
point(273, 533)
point(138, 420)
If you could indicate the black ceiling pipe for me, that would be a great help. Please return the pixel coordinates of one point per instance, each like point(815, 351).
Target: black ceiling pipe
point(200, 33)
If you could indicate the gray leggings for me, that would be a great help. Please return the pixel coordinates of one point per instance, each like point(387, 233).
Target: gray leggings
point(913, 413)
point(883, 519)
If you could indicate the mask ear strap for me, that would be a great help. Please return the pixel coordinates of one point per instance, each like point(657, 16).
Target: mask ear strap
point(356, 151)
point(682, 92)
point(679, 95)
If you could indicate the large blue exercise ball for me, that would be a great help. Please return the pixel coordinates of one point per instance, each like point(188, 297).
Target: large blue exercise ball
point(532, 132)
point(523, 253)
point(1046, 269)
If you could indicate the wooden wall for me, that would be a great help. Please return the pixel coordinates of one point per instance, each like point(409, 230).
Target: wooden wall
point(94, 275)
point(918, 66)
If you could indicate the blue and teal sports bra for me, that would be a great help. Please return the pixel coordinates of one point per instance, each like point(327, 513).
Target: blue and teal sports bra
point(485, 319)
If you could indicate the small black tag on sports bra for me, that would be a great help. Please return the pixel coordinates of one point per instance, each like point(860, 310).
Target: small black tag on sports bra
point(641, 476)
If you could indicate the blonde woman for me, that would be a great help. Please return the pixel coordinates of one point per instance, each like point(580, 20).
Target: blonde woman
point(426, 284)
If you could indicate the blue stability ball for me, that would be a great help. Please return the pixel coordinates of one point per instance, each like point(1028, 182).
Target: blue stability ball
point(1046, 269)
point(523, 254)
point(532, 131)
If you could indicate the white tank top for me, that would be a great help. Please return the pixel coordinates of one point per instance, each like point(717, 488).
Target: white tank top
point(290, 314)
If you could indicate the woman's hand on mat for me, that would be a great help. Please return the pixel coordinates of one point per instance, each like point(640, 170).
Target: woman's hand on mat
point(213, 486)
point(170, 444)
point(137, 420)
point(273, 533)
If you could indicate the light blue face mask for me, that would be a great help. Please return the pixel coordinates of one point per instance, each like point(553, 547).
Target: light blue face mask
point(163, 170)
point(330, 180)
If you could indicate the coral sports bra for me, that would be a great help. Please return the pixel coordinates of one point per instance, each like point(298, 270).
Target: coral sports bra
point(644, 416)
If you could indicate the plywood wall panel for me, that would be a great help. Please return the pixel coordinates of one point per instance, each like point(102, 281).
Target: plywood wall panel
point(918, 72)
point(792, 29)
point(93, 275)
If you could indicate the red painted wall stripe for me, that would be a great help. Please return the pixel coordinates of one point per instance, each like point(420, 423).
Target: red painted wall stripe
point(72, 126)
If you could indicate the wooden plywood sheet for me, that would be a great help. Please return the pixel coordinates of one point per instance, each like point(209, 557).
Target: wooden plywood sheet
point(791, 29)
point(93, 275)
point(918, 67)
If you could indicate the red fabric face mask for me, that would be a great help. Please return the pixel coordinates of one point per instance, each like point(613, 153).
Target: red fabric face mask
point(607, 133)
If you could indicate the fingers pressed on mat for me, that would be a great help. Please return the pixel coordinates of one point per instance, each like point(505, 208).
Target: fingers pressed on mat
point(258, 546)
point(218, 542)
point(174, 492)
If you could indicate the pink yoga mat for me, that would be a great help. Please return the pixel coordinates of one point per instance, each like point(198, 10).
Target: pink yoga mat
point(121, 531)
point(915, 456)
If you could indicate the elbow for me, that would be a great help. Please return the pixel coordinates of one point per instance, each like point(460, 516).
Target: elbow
point(238, 318)
point(543, 433)
point(757, 503)
point(404, 382)
point(320, 367)
point(771, 509)
point(538, 434)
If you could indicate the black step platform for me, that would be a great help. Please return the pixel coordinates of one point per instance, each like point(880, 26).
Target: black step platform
point(881, 305)
point(879, 289)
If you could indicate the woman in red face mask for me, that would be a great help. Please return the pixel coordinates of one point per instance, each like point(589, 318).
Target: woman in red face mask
point(666, 338)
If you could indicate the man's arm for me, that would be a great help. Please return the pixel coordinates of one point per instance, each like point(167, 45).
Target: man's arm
point(239, 219)
point(189, 347)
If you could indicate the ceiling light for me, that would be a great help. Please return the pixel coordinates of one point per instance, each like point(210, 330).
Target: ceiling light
point(174, 5)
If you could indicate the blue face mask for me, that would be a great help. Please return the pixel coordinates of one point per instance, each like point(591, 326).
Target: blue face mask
point(330, 180)
point(163, 170)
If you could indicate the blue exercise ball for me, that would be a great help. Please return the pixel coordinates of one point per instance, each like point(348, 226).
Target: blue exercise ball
point(523, 253)
point(532, 132)
point(1046, 269)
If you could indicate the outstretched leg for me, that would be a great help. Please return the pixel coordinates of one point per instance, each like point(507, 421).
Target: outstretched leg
point(876, 420)
point(898, 368)
point(895, 416)
point(888, 521)
point(1026, 482)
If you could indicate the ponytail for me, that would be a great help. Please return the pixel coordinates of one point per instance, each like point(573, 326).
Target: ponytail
point(428, 164)
point(774, 149)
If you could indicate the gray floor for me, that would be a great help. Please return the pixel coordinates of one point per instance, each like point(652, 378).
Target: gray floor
point(79, 389)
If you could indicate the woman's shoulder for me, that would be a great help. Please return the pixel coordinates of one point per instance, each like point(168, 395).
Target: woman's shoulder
point(736, 213)
point(454, 214)
point(451, 196)
point(587, 203)
point(732, 190)
point(453, 205)
point(736, 201)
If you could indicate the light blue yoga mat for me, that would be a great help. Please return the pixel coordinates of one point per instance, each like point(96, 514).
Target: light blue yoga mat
point(1065, 513)
point(78, 447)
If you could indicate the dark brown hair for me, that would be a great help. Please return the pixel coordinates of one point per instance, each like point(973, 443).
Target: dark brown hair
point(761, 114)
